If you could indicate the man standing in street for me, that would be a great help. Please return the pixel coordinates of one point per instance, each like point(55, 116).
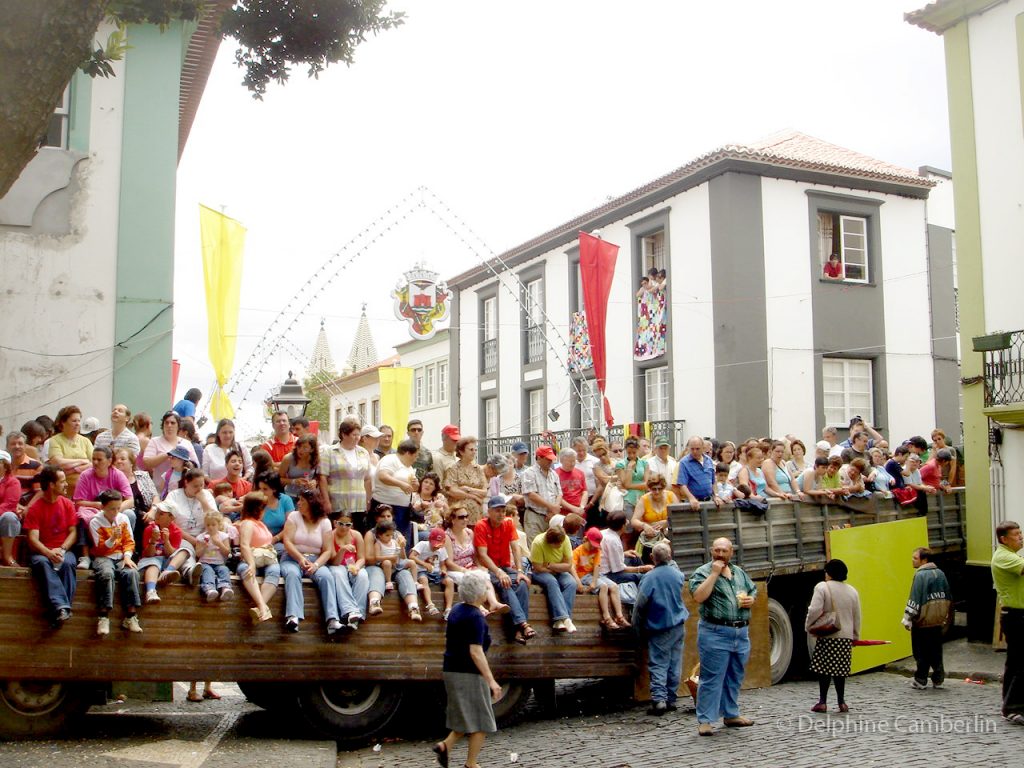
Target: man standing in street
point(424, 459)
point(445, 458)
point(281, 442)
point(661, 615)
point(725, 594)
point(543, 493)
point(925, 614)
point(1008, 576)
point(695, 480)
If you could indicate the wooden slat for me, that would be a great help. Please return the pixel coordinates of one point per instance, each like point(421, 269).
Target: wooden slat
point(184, 639)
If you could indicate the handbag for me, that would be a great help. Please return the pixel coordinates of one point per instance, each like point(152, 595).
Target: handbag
point(263, 556)
point(905, 496)
point(612, 498)
point(828, 623)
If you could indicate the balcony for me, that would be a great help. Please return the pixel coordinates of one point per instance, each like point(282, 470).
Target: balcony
point(673, 430)
point(534, 344)
point(489, 356)
point(1003, 368)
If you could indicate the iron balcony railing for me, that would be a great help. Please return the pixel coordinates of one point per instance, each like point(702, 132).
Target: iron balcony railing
point(1003, 368)
point(534, 344)
point(675, 431)
point(489, 356)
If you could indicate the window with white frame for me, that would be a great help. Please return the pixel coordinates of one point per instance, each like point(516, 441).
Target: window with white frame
point(442, 382)
point(534, 317)
point(490, 318)
point(430, 385)
point(656, 384)
point(653, 252)
point(491, 417)
point(362, 412)
point(431, 379)
point(847, 238)
point(578, 279)
point(590, 404)
point(535, 409)
point(847, 386)
point(57, 131)
point(375, 410)
point(418, 389)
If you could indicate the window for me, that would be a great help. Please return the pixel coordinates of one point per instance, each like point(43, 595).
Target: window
point(431, 378)
point(578, 279)
point(489, 317)
point(851, 245)
point(418, 389)
point(490, 417)
point(442, 382)
point(338, 416)
point(653, 252)
point(534, 317)
point(535, 409)
point(362, 412)
point(847, 389)
point(375, 410)
point(656, 391)
point(590, 404)
point(57, 131)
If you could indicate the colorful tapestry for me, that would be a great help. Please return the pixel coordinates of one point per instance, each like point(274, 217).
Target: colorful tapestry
point(650, 326)
point(580, 358)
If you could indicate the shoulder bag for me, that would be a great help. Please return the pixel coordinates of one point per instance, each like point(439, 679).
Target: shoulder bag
point(828, 623)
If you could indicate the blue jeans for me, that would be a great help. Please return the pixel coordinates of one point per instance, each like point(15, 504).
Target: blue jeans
point(271, 573)
point(10, 525)
point(517, 596)
point(723, 654)
point(560, 589)
point(404, 581)
point(127, 578)
point(665, 662)
point(58, 584)
point(294, 604)
point(215, 577)
point(351, 590)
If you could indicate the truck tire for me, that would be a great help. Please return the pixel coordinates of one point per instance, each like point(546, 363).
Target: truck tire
point(349, 710)
point(272, 697)
point(511, 707)
point(34, 709)
point(781, 632)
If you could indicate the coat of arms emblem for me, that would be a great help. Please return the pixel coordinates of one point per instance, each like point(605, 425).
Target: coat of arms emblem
point(422, 301)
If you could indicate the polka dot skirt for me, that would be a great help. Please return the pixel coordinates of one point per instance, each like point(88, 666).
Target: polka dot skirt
point(832, 656)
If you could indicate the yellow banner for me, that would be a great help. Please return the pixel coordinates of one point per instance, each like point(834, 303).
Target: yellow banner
point(395, 395)
point(223, 241)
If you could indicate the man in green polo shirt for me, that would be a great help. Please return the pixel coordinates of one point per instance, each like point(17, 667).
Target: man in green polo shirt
point(1008, 576)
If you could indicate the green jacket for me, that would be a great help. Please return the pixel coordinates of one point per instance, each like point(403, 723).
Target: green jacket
point(929, 601)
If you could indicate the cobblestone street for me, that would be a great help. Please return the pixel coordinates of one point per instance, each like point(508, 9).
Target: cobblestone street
point(889, 724)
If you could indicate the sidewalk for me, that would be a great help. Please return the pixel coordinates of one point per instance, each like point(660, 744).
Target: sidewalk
point(962, 660)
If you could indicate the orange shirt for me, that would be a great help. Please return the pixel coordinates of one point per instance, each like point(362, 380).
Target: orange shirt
point(586, 559)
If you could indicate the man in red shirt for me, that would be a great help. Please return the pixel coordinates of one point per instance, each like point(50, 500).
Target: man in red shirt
point(50, 524)
point(573, 482)
point(932, 471)
point(493, 539)
point(282, 442)
point(833, 270)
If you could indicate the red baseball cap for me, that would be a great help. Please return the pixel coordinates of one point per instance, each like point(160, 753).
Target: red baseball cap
point(594, 536)
point(546, 452)
point(436, 536)
point(452, 431)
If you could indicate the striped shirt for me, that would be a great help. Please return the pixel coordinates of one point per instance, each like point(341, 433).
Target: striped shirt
point(722, 604)
point(346, 471)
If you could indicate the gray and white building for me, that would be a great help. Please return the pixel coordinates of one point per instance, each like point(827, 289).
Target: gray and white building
point(759, 341)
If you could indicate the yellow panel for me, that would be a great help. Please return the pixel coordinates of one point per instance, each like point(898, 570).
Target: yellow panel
point(878, 557)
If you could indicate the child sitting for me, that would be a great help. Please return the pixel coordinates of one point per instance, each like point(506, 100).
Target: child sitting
point(431, 556)
point(224, 496)
point(159, 539)
point(389, 550)
point(180, 463)
point(213, 546)
point(724, 490)
point(586, 560)
point(573, 527)
point(110, 534)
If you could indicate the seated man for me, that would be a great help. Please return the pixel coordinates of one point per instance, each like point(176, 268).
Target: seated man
point(50, 524)
point(493, 537)
point(551, 559)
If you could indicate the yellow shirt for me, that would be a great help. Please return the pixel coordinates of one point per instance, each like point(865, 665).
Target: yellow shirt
point(542, 553)
point(1007, 567)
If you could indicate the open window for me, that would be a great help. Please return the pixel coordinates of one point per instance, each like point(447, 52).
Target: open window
point(843, 247)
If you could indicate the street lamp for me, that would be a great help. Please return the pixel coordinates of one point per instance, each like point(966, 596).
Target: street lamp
point(290, 398)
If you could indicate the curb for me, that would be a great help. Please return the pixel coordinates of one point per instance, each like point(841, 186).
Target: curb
point(951, 674)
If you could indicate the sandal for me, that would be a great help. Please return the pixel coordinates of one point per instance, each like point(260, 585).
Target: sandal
point(623, 622)
point(194, 696)
point(375, 609)
point(414, 614)
point(432, 610)
point(210, 694)
point(389, 587)
point(441, 750)
point(609, 623)
point(501, 609)
point(1014, 717)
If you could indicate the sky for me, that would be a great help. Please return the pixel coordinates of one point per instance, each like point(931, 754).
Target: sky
point(517, 117)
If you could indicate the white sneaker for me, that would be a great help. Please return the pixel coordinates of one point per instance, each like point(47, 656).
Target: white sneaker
point(569, 626)
point(131, 624)
point(333, 626)
point(227, 593)
point(918, 686)
point(102, 626)
point(85, 563)
point(152, 596)
point(560, 626)
point(211, 595)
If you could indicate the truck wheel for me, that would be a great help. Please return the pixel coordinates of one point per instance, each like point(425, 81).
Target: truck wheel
point(510, 708)
point(270, 696)
point(781, 631)
point(38, 708)
point(349, 710)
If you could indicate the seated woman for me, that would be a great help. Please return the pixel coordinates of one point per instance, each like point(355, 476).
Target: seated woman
point(307, 549)
point(751, 474)
point(279, 506)
point(258, 557)
point(778, 483)
point(384, 548)
point(11, 511)
point(69, 450)
point(460, 559)
point(300, 469)
point(348, 565)
point(191, 503)
point(429, 505)
point(811, 483)
point(650, 516)
point(551, 558)
point(102, 476)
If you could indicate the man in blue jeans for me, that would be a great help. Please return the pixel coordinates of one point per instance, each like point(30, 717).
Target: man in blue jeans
point(493, 537)
point(725, 594)
point(661, 615)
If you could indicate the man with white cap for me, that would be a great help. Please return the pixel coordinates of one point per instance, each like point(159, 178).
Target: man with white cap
point(543, 493)
point(445, 458)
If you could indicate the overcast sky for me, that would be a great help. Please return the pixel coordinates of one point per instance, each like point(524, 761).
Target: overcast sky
point(519, 116)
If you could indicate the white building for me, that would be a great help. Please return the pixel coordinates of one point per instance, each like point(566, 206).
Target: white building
point(431, 398)
point(758, 341)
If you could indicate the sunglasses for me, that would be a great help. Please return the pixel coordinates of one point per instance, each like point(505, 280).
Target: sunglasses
point(462, 517)
point(415, 429)
point(344, 525)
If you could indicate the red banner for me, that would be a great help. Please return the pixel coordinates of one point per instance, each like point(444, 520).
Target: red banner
point(597, 268)
point(175, 371)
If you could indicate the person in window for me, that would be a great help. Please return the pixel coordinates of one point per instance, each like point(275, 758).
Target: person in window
point(834, 268)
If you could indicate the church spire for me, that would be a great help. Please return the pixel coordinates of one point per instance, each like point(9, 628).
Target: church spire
point(364, 352)
point(321, 362)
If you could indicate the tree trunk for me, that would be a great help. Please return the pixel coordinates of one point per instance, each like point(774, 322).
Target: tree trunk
point(42, 42)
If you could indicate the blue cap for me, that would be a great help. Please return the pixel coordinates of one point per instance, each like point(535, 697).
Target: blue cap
point(497, 501)
point(520, 447)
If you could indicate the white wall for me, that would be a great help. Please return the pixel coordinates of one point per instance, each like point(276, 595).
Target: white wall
point(940, 203)
point(467, 388)
point(60, 291)
point(366, 389)
point(1000, 155)
point(434, 417)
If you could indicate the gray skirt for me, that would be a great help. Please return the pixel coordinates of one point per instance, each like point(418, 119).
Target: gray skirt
point(469, 703)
